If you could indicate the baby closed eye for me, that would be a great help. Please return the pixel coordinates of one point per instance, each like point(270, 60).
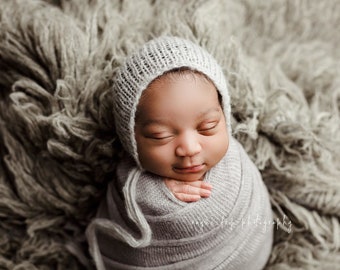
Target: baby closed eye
point(159, 136)
point(208, 128)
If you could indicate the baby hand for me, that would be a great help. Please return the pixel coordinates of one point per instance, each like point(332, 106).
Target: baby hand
point(188, 191)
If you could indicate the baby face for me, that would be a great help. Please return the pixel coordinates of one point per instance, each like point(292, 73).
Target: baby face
point(180, 129)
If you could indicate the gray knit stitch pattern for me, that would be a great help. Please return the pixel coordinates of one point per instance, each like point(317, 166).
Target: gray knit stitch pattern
point(225, 231)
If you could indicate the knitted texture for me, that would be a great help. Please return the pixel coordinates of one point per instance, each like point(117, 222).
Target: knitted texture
point(152, 60)
point(229, 230)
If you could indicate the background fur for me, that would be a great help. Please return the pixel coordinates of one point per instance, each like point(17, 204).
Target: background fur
point(58, 146)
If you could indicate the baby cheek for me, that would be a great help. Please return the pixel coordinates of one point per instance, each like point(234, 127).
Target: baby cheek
point(219, 148)
point(155, 158)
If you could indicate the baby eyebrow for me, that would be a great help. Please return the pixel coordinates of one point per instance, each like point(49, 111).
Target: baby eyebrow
point(211, 110)
point(164, 122)
point(158, 122)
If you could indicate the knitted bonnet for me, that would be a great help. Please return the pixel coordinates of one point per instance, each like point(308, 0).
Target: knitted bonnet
point(155, 58)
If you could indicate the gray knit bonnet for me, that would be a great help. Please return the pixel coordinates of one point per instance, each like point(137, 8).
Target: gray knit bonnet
point(155, 58)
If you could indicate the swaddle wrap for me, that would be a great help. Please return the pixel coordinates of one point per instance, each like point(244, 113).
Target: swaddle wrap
point(141, 225)
point(229, 230)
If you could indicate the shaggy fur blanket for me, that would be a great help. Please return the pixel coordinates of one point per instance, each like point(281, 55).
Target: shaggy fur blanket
point(58, 147)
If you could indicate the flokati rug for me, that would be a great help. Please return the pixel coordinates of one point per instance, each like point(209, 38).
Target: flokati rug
point(58, 147)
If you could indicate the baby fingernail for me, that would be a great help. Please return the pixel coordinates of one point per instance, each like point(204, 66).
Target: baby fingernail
point(206, 192)
point(207, 185)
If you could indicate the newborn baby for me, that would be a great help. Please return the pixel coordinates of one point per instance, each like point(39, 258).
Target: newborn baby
point(172, 113)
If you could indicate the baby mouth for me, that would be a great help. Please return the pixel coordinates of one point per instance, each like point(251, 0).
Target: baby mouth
point(190, 169)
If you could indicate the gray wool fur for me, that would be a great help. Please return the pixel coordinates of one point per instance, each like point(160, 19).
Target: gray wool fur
point(57, 134)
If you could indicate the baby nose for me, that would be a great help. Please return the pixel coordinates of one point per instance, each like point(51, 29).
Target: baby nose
point(188, 146)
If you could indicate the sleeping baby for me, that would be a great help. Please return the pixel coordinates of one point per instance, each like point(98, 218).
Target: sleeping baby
point(185, 195)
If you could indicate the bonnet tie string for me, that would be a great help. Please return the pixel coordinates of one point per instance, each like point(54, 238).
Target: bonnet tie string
point(117, 231)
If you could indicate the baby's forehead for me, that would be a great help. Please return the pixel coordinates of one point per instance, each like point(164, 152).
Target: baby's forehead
point(176, 76)
point(180, 91)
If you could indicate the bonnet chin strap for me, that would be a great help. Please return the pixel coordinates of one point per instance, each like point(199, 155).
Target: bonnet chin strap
point(115, 230)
